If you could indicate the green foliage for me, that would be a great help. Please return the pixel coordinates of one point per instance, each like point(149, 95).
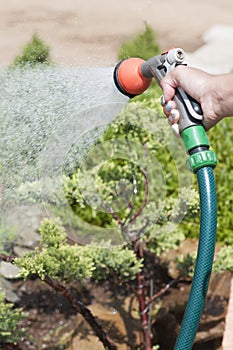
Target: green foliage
point(160, 242)
point(7, 238)
point(115, 261)
point(144, 45)
point(79, 205)
point(224, 259)
point(185, 207)
point(223, 262)
point(33, 53)
point(137, 146)
point(59, 260)
point(9, 320)
point(185, 264)
point(221, 142)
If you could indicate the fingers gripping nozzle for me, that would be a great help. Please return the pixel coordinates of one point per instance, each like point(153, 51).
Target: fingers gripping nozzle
point(129, 78)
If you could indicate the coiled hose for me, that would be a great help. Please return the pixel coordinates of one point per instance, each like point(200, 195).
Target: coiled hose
point(205, 255)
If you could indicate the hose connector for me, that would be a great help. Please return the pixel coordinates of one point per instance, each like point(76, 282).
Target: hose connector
point(197, 146)
point(201, 159)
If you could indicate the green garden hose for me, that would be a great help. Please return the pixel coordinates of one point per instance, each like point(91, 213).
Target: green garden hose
point(208, 223)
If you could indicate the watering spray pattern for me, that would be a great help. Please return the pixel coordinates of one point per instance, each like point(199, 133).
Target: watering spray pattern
point(201, 161)
point(50, 117)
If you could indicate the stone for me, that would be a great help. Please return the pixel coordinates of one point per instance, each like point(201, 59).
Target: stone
point(8, 271)
point(8, 289)
point(26, 220)
point(227, 343)
point(20, 251)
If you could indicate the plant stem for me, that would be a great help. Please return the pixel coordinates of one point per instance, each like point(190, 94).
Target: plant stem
point(162, 291)
point(84, 311)
point(141, 295)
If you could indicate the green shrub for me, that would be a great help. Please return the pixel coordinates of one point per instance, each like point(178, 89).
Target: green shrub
point(59, 260)
point(224, 259)
point(220, 138)
point(139, 140)
point(33, 53)
point(9, 320)
point(144, 45)
point(185, 264)
point(7, 238)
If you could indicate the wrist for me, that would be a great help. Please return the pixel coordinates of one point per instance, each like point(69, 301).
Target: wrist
point(217, 99)
point(225, 95)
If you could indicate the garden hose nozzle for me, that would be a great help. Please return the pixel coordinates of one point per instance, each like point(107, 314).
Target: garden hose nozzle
point(132, 77)
point(129, 78)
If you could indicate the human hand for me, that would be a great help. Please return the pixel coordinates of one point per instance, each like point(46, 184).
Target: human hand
point(203, 87)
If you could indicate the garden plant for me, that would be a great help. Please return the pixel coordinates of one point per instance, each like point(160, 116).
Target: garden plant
point(137, 210)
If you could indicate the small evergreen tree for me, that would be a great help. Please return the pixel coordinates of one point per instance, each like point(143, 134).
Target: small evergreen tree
point(61, 261)
point(144, 45)
point(33, 53)
point(9, 319)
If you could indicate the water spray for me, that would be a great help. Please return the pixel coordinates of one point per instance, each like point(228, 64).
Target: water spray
point(132, 77)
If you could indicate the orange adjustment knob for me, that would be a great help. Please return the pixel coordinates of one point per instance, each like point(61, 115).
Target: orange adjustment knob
point(128, 77)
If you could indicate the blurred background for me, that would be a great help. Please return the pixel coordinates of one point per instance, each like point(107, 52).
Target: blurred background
point(91, 32)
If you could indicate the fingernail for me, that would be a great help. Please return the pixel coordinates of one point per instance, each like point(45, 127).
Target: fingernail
point(173, 113)
point(168, 107)
point(163, 101)
point(171, 118)
point(175, 129)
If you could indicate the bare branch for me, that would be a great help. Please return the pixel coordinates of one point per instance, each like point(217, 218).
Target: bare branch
point(84, 311)
point(7, 258)
point(162, 291)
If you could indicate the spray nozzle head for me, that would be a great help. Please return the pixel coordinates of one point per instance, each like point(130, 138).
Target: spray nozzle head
point(128, 77)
